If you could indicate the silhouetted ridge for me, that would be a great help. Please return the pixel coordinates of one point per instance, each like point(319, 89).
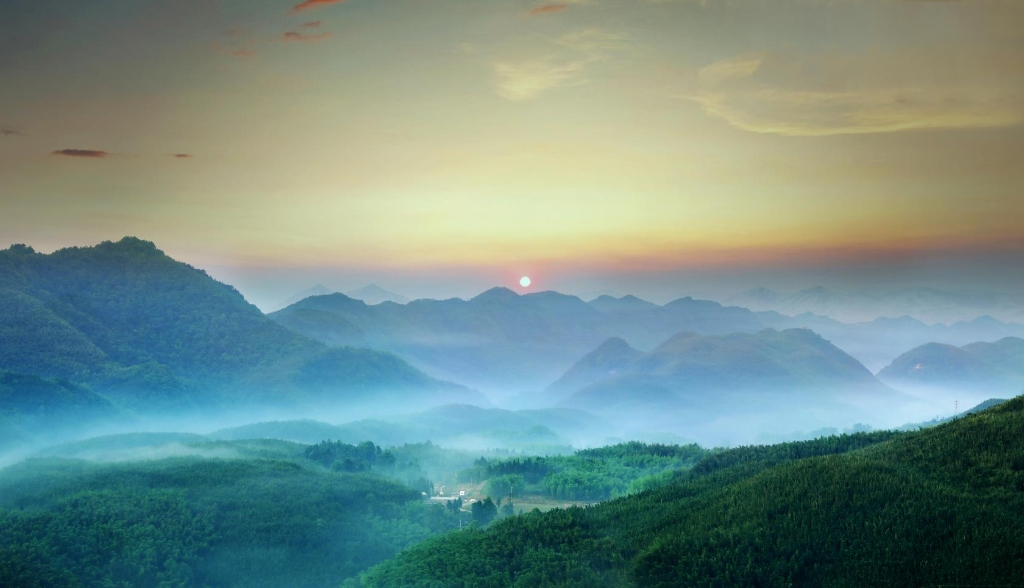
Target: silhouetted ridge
point(496, 294)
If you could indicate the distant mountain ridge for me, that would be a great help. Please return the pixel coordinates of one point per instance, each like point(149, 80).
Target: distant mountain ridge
point(878, 342)
point(500, 340)
point(930, 305)
point(990, 367)
point(374, 294)
point(694, 378)
point(371, 294)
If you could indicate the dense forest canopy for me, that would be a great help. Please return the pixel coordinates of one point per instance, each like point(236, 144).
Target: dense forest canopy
point(940, 506)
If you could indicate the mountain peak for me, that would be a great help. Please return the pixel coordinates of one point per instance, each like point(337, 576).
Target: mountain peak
point(626, 303)
point(20, 249)
point(374, 294)
point(132, 245)
point(613, 344)
point(496, 294)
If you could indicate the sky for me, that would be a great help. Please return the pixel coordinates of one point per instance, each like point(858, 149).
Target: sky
point(438, 148)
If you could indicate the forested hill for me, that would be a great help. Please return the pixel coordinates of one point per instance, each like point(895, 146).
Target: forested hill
point(992, 367)
point(726, 374)
point(941, 506)
point(133, 323)
point(190, 513)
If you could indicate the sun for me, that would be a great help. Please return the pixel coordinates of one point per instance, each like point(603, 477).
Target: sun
point(524, 281)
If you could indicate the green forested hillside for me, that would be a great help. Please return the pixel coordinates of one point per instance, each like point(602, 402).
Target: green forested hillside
point(151, 332)
point(51, 399)
point(264, 517)
point(941, 506)
point(29, 403)
point(588, 474)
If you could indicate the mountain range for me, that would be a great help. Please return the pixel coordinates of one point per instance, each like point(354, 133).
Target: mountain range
point(126, 330)
point(878, 342)
point(931, 305)
point(500, 341)
point(372, 294)
point(503, 343)
point(694, 378)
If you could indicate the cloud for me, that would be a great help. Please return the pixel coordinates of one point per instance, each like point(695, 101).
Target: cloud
point(855, 94)
point(301, 38)
point(11, 132)
point(548, 9)
point(311, 24)
point(528, 79)
point(81, 153)
point(180, 155)
point(311, 4)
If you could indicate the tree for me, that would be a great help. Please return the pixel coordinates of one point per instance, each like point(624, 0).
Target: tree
point(484, 511)
point(508, 509)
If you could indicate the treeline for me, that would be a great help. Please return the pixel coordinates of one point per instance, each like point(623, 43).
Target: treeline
point(349, 458)
point(589, 474)
point(940, 506)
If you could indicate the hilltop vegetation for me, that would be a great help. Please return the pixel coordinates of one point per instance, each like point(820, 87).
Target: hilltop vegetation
point(588, 474)
point(938, 506)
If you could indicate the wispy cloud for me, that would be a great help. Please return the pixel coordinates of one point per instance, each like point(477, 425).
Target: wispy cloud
point(81, 153)
point(311, 24)
point(11, 132)
point(180, 155)
point(528, 79)
point(303, 38)
point(311, 4)
point(818, 96)
point(548, 9)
